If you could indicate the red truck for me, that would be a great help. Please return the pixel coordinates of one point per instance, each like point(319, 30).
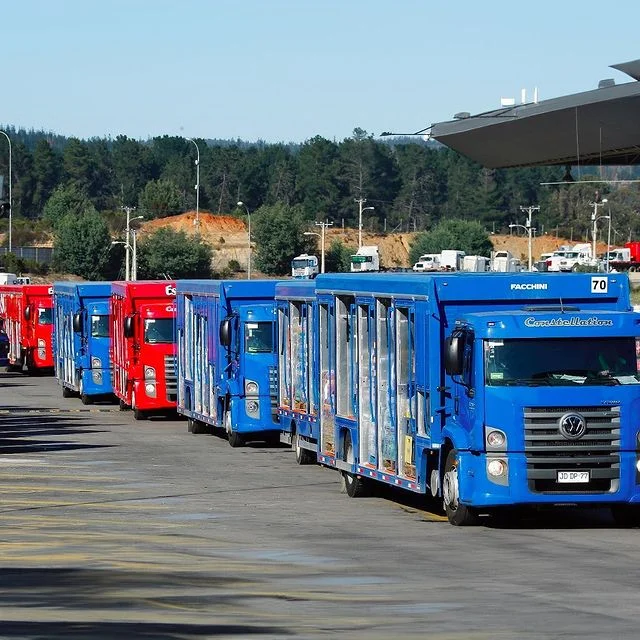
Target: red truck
point(26, 312)
point(625, 258)
point(143, 346)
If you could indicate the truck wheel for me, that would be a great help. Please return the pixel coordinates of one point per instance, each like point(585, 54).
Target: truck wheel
point(137, 414)
point(196, 426)
point(84, 398)
point(235, 439)
point(66, 392)
point(123, 406)
point(303, 456)
point(353, 485)
point(458, 514)
point(626, 515)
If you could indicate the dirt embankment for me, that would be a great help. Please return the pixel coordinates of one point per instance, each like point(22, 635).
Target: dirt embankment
point(228, 237)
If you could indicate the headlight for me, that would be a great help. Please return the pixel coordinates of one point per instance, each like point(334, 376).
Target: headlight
point(41, 343)
point(250, 387)
point(96, 363)
point(496, 439)
point(149, 373)
point(496, 467)
point(638, 465)
point(150, 389)
point(252, 407)
point(96, 376)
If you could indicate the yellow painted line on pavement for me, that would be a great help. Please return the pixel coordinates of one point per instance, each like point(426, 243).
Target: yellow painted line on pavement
point(428, 516)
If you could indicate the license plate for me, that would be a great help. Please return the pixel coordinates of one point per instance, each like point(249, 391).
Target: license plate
point(573, 476)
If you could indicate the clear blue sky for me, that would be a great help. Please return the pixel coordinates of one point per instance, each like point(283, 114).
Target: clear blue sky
point(287, 70)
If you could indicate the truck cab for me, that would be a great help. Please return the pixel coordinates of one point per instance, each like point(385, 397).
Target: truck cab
point(304, 266)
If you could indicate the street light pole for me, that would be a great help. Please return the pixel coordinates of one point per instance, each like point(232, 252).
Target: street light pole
point(6, 135)
point(360, 202)
point(242, 204)
point(134, 261)
point(127, 244)
point(529, 211)
point(197, 220)
point(324, 226)
point(594, 220)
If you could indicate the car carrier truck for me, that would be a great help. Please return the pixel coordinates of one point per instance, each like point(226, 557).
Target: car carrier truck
point(81, 339)
point(226, 357)
point(485, 390)
point(143, 347)
point(27, 313)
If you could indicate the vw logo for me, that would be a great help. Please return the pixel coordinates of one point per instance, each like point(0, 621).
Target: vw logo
point(572, 426)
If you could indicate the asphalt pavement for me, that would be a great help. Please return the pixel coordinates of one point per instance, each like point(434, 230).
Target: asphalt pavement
point(113, 528)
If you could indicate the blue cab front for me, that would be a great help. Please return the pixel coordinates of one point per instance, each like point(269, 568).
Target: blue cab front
point(545, 418)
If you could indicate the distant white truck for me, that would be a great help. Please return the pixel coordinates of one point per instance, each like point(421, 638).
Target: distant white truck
point(505, 262)
point(428, 262)
point(476, 264)
point(446, 260)
point(9, 278)
point(367, 258)
point(304, 266)
point(571, 259)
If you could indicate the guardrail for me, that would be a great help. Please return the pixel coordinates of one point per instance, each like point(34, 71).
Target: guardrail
point(43, 255)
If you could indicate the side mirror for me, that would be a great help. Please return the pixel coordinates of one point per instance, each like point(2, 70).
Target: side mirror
point(128, 327)
point(27, 313)
point(77, 323)
point(225, 333)
point(454, 354)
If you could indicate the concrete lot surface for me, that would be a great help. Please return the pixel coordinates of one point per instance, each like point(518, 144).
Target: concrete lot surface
point(113, 528)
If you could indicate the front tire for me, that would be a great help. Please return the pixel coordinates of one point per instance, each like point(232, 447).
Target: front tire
point(84, 398)
point(626, 515)
point(235, 439)
point(137, 413)
point(458, 514)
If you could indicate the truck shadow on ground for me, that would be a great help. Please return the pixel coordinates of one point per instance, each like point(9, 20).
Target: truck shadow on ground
point(90, 595)
point(26, 433)
point(561, 517)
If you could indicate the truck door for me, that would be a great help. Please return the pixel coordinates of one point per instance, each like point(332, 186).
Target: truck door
point(327, 378)
point(366, 376)
point(464, 390)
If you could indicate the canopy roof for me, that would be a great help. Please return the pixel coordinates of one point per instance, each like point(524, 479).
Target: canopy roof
point(589, 128)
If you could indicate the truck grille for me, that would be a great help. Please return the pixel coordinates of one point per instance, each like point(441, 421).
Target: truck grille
point(171, 379)
point(548, 451)
point(273, 393)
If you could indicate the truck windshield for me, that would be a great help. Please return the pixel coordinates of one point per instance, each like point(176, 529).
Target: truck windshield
point(562, 362)
point(258, 337)
point(302, 264)
point(99, 326)
point(159, 331)
point(45, 316)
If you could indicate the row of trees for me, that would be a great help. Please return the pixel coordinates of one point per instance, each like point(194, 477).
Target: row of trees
point(64, 185)
point(412, 185)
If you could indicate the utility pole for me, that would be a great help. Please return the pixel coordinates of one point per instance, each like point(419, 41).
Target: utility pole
point(127, 246)
point(324, 225)
point(360, 202)
point(597, 202)
point(529, 210)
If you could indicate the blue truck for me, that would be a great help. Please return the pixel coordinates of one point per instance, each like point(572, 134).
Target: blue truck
point(485, 390)
point(226, 357)
point(81, 339)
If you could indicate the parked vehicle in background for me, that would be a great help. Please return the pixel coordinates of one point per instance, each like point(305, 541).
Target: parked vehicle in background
point(81, 339)
point(304, 266)
point(28, 322)
point(571, 259)
point(9, 278)
point(476, 264)
point(4, 349)
point(428, 262)
point(226, 357)
point(625, 258)
point(143, 347)
point(451, 260)
point(505, 262)
point(367, 258)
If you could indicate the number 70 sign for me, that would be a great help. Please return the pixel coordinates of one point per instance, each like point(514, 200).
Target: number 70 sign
point(599, 284)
